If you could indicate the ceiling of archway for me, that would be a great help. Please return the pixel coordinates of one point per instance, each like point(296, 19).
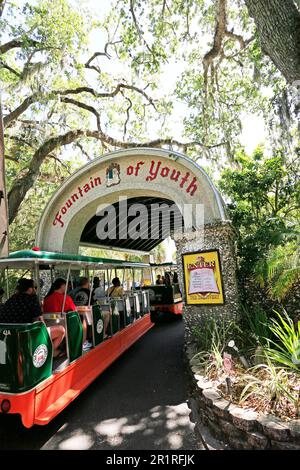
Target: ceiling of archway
point(118, 232)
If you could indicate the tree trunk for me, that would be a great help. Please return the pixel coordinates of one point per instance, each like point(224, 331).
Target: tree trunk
point(278, 24)
point(22, 185)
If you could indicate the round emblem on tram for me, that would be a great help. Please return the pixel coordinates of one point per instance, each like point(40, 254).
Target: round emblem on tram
point(99, 326)
point(40, 355)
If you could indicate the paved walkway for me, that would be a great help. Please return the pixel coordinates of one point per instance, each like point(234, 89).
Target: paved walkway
point(138, 403)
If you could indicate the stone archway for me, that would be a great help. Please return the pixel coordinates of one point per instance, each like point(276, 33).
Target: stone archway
point(131, 173)
point(141, 172)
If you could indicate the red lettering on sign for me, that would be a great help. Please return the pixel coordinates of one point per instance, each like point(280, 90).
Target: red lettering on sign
point(184, 179)
point(58, 219)
point(175, 175)
point(153, 171)
point(137, 168)
point(192, 187)
point(86, 188)
point(165, 171)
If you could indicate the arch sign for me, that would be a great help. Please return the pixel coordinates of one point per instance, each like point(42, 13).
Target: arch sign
point(130, 173)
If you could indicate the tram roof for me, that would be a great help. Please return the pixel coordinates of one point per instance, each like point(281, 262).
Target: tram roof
point(168, 264)
point(29, 258)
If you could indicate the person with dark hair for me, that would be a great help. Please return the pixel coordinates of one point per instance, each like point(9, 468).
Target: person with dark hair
point(53, 302)
point(96, 282)
point(98, 289)
point(167, 279)
point(81, 295)
point(116, 290)
point(24, 307)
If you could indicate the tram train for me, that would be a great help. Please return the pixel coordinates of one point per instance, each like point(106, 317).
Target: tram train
point(35, 385)
point(165, 299)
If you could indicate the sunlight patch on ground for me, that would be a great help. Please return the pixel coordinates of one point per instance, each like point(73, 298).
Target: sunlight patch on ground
point(110, 427)
point(79, 441)
point(160, 427)
point(167, 424)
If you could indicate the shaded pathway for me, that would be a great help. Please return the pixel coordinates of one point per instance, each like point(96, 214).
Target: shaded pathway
point(138, 403)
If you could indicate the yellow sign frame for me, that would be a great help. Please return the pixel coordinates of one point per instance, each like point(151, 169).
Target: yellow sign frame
point(201, 270)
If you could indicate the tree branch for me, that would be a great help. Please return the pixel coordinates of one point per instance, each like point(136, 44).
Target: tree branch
point(20, 109)
point(127, 116)
point(137, 27)
point(36, 96)
point(22, 185)
point(17, 43)
point(218, 38)
point(10, 69)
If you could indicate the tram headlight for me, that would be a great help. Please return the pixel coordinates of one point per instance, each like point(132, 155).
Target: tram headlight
point(5, 406)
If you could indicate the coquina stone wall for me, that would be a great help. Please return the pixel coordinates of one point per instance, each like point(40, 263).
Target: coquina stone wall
point(219, 236)
point(235, 427)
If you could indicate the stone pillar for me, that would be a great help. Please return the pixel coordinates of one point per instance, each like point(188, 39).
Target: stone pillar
point(219, 236)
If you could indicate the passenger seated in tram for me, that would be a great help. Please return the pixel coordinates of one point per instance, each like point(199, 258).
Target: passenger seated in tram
point(81, 295)
point(54, 302)
point(116, 290)
point(158, 280)
point(98, 289)
point(167, 279)
point(24, 307)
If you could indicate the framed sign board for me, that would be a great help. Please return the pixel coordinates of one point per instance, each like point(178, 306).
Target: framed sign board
point(203, 278)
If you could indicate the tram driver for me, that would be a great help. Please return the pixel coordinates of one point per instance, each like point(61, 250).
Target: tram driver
point(24, 307)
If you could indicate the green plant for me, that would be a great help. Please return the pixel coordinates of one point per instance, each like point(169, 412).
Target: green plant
point(216, 331)
point(212, 338)
point(255, 326)
point(270, 384)
point(286, 349)
point(280, 270)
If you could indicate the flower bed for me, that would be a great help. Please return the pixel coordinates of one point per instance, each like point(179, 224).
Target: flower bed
point(239, 427)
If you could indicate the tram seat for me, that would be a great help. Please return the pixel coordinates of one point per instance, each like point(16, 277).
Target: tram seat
point(128, 316)
point(116, 314)
point(74, 335)
point(145, 302)
point(140, 297)
point(136, 305)
point(74, 331)
point(25, 356)
point(86, 312)
point(97, 325)
point(120, 307)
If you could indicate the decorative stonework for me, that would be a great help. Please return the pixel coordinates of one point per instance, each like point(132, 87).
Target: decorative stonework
point(233, 426)
point(219, 236)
